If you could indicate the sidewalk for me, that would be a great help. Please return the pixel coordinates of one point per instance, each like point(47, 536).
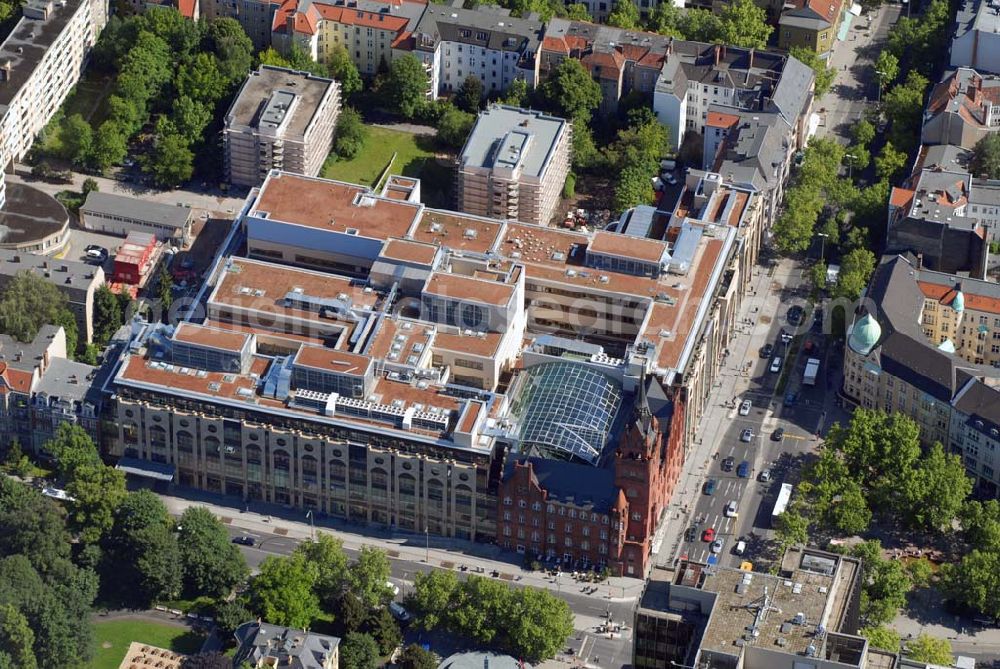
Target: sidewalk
point(760, 305)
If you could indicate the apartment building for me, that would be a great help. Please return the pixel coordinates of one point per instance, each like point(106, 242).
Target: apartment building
point(514, 165)
point(488, 43)
point(281, 119)
point(715, 617)
point(962, 109)
point(696, 78)
point(976, 42)
point(262, 645)
point(373, 32)
point(810, 24)
point(751, 148)
point(40, 62)
point(621, 61)
point(78, 281)
point(927, 344)
point(945, 214)
point(256, 16)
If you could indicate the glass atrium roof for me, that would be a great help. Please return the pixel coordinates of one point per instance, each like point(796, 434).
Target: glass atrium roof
point(566, 410)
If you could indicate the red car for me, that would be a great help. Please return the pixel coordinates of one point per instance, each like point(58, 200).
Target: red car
point(708, 535)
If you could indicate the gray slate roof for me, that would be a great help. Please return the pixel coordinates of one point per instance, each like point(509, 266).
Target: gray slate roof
point(571, 483)
point(490, 28)
point(288, 647)
point(108, 204)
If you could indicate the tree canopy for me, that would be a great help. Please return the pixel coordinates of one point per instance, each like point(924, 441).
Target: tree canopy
point(744, 23)
point(141, 560)
point(28, 302)
point(572, 92)
point(211, 565)
point(283, 591)
point(407, 85)
point(526, 622)
point(930, 649)
point(985, 161)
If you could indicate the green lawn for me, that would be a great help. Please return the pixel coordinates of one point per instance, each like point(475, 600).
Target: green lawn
point(413, 152)
point(112, 637)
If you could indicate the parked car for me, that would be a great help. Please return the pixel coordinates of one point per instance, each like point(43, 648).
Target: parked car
point(393, 588)
point(245, 540)
point(743, 471)
point(708, 534)
point(765, 475)
point(690, 533)
point(745, 407)
point(775, 364)
point(727, 464)
point(670, 179)
point(399, 612)
point(709, 487)
point(795, 314)
point(96, 253)
point(766, 350)
point(717, 546)
point(741, 547)
point(746, 436)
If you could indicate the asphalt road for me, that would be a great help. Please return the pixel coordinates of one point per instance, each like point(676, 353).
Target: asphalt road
point(587, 645)
point(755, 498)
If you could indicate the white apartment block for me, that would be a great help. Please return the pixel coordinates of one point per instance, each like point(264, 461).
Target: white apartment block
point(514, 165)
point(281, 119)
point(40, 62)
point(454, 43)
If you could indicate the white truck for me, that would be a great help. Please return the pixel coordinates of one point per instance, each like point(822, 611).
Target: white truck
point(812, 370)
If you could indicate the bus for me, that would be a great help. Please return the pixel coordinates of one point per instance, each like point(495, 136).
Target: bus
point(780, 504)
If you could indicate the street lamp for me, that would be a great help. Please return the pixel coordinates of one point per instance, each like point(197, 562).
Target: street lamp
point(312, 526)
point(427, 545)
point(878, 92)
point(850, 163)
point(822, 247)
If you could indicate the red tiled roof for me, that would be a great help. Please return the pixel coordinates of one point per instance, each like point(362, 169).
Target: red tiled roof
point(721, 120)
point(946, 294)
point(901, 197)
point(187, 8)
point(352, 16)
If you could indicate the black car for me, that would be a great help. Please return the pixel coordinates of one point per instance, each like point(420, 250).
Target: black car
point(727, 464)
point(766, 350)
point(691, 533)
point(244, 540)
point(795, 314)
point(778, 435)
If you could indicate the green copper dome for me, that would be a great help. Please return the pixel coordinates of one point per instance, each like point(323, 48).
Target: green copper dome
point(865, 335)
point(958, 304)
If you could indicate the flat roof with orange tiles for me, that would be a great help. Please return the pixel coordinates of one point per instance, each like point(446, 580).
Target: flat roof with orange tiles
point(736, 213)
point(332, 360)
point(213, 384)
point(290, 339)
point(409, 335)
point(459, 232)
point(557, 256)
point(459, 287)
point(334, 206)
point(484, 345)
point(717, 119)
point(471, 416)
point(211, 337)
point(386, 390)
point(680, 318)
point(276, 281)
point(624, 246)
point(410, 251)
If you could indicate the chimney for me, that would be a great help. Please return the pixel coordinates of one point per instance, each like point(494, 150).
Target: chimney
point(717, 50)
point(670, 47)
point(5, 71)
point(920, 261)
